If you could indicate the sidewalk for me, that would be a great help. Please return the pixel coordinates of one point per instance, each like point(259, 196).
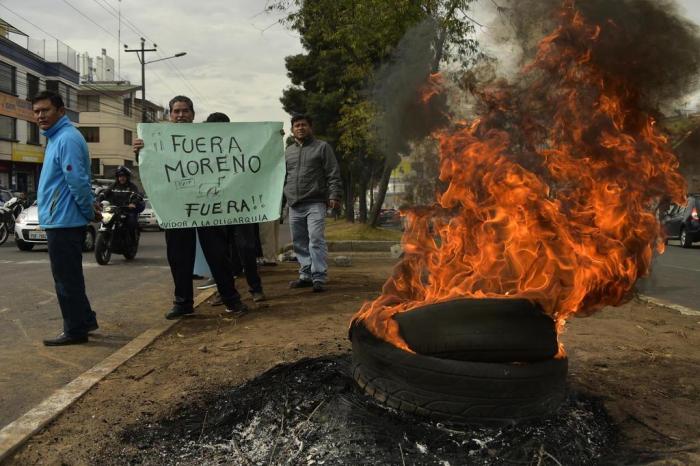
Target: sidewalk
point(641, 359)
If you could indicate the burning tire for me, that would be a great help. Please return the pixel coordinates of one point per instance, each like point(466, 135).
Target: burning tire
point(457, 391)
point(480, 330)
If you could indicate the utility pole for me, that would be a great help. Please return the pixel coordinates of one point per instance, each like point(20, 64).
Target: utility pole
point(142, 59)
point(119, 43)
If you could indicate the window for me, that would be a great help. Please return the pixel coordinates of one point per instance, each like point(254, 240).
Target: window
point(32, 86)
point(8, 128)
point(95, 166)
point(67, 93)
point(127, 107)
point(128, 137)
point(32, 133)
point(7, 78)
point(90, 133)
point(88, 103)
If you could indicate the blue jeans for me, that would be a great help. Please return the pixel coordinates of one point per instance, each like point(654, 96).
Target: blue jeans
point(307, 224)
point(66, 256)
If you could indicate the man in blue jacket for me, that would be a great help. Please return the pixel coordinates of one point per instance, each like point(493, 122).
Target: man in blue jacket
point(66, 206)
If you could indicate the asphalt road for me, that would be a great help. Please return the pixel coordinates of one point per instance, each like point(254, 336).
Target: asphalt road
point(129, 298)
point(675, 276)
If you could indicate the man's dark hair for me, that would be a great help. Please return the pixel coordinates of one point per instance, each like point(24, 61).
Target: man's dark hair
point(218, 117)
point(302, 116)
point(55, 99)
point(180, 98)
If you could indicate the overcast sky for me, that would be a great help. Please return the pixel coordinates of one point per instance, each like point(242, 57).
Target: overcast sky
point(235, 51)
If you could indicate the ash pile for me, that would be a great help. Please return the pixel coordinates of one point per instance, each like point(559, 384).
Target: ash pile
point(312, 412)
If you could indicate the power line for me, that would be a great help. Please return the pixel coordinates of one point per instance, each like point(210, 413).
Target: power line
point(89, 18)
point(157, 75)
point(160, 54)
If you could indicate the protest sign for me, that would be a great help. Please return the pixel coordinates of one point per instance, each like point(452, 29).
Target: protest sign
point(212, 174)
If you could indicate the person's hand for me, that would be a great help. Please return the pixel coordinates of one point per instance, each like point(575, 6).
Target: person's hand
point(138, 145)
point(131, 206)
point(334, 204)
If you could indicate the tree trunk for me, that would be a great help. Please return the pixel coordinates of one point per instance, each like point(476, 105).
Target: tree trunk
point(371, 190)
point(392, 162)
point(363, 201)
point(349, 199)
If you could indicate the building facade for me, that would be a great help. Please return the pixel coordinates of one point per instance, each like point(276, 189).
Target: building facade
point(108, 123)
point(23, 74)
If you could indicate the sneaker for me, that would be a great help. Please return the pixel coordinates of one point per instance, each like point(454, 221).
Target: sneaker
point(237, 309)
point(319, 287)
point(211, 283)
point(258, 296)
point(178, 311)
point(301, 284)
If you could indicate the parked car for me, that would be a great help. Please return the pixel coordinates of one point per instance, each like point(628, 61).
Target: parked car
point(389, 217)
point(147, 218)
point(683, 222)
point(5, 195)
point(28, 233)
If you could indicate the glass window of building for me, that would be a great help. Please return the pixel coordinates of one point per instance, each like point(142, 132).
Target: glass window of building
point(128, 137)
point(127, 106)
point(32, 133)
point(32, 86)
point(8, 128)
point(8, 81)
point(90, 133)
point(88, 103)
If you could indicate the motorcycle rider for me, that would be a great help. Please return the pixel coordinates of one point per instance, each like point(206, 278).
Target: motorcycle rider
point(124, 193)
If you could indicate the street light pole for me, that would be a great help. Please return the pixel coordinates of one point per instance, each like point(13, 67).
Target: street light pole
point(142, 59)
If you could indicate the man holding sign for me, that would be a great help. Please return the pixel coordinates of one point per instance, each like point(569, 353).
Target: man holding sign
point(182, 188)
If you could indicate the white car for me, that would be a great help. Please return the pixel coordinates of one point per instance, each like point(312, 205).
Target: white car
point(28, 233)
point(147, 218)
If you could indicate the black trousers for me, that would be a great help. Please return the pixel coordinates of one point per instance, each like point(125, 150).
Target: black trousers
point(242, 240)
point(180, 244)
point(66, 256)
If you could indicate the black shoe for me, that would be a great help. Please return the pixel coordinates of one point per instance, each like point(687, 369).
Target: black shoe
point(197, 277)
point(64, 340)
point(178, 311)
point(319, 287)
point(92, 327)
point(237, 309)
point(216, 300)
point(301, 284)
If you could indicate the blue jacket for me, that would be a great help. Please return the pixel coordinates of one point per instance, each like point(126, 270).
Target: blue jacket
point(64, 196)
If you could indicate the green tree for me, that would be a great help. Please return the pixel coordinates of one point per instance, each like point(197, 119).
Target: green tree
point(346, 42)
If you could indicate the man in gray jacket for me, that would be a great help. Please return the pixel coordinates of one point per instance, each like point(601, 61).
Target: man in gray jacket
point(312, 184)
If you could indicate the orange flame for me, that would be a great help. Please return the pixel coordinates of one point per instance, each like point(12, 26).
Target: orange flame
point(431, 88)
point(559, 209)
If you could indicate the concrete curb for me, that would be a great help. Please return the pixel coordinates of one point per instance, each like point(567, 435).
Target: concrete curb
point(20, 430)
point(676, 307)
point(354, 246)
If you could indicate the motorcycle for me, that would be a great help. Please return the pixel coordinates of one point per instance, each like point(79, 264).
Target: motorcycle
point(114, 236)
point(8, 214)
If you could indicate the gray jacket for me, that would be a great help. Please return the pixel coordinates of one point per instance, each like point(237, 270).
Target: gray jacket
point(313, 174)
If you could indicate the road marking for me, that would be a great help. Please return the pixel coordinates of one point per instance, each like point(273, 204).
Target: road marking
point(676, 307)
